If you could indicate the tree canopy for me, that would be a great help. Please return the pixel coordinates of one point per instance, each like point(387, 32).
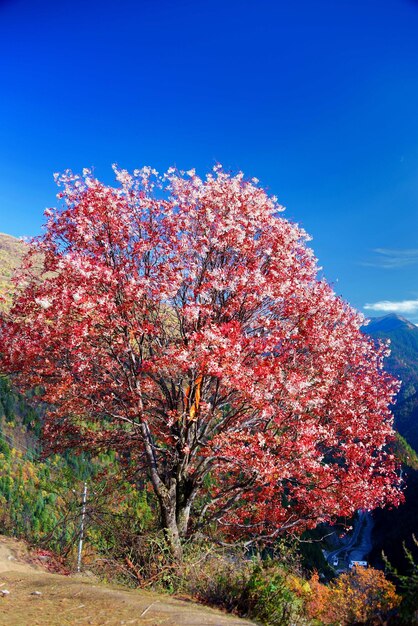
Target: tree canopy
point(181, 322)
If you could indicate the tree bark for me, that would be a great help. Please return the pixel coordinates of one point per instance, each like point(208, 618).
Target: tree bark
point(182, 518)
point(168, 511)
point(175, 506)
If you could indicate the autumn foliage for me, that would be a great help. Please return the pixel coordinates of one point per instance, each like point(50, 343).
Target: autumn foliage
point(363, 595)
point(180, 322)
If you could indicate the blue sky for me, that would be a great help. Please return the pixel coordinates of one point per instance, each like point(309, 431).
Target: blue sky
point(319, 100)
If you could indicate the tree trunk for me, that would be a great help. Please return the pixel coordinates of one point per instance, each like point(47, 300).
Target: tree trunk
point(169, 523)
point(182, 519)
point(185, 494)
point(175, 514)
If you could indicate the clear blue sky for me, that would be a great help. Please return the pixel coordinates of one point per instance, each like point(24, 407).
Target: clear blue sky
point(319, 100)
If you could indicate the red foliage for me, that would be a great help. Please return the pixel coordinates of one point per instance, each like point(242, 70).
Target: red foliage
point(50, 561)
point(181, 322)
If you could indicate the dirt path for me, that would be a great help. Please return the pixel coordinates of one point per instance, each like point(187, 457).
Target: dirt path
point(38, 598)
point(14, 557)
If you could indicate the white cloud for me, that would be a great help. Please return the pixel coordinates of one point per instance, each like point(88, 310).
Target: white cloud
point(388, 258)
point(403, 306)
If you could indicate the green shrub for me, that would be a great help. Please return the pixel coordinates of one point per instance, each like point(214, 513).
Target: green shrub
point(266, 591)
point(272, 598)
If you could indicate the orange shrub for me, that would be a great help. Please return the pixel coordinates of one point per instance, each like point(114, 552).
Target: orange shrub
point(361, 595)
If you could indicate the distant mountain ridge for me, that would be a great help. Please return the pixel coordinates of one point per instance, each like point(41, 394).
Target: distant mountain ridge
point(389, 322)
point(395, 527)
point(402, 363)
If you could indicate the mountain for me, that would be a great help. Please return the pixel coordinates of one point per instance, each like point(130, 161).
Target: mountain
point(395, 527)
point(389, 323)
point(402, 363)
point(12, 251)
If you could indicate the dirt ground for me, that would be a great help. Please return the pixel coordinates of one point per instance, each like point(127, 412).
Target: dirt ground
point(39, 598)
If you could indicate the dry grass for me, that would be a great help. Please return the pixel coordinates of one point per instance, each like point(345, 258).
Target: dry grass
point(71, 600)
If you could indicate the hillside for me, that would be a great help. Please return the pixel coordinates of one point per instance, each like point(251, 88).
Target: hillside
point(402, 363)
point(39, 597)
point(394, 527)
point(12, 251)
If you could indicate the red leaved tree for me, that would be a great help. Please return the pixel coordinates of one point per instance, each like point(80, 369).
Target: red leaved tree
point(181, 322)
